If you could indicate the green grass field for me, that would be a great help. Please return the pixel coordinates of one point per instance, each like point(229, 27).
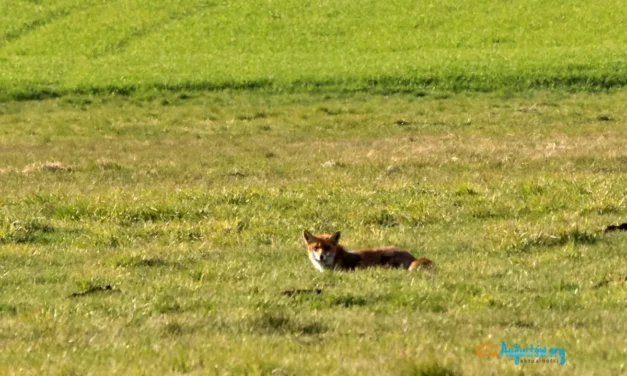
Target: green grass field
point(159, 163)
point(191, 207)
point(57, 47)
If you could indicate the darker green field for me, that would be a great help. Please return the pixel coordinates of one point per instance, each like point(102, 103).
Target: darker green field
point(61, 47)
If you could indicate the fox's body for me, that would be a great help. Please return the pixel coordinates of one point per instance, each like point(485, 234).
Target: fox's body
point(325, 252)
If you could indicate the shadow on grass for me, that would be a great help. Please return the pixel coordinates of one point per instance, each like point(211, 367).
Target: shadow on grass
point(27, 232)
point(150, 262)
point(530, 241)
point(428, 369)
point(8, 309)
point(276, 323)
point(349, 301)
point(94, 290)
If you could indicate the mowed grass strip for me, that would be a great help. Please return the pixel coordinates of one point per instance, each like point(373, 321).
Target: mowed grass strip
point(63, 47)
point(162, 234)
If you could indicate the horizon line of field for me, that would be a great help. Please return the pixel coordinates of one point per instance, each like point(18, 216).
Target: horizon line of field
point(386, 85)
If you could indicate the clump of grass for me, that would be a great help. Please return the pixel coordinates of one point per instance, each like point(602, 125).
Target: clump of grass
point(429, 369)
point(527, 242)
point(7, 309)
point(349, 301)
point(384, 219)
point(168, 305)
point(270, 323)
point(106, 164)
point(31, 231)
point(149, 262)
point(174, 328)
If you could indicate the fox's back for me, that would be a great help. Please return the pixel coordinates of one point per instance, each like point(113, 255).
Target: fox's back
point(385, 256)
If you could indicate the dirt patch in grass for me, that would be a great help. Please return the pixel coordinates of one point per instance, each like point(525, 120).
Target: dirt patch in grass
point(49, 166)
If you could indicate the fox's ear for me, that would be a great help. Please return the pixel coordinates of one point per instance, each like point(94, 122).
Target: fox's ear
point(335, 238)
point(309, 238)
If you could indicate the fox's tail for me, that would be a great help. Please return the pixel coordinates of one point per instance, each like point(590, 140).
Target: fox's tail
point(422, 263)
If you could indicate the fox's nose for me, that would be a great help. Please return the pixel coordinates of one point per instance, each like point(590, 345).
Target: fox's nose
point(321, 257)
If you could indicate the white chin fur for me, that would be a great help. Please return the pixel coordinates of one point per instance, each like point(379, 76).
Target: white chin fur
point(317, 264)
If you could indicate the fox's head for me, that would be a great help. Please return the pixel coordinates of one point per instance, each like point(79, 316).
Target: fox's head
point(322, 249)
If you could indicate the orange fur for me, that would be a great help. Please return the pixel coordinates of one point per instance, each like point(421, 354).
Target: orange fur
point(325, 252)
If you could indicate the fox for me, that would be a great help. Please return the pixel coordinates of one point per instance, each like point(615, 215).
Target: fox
point(325, 253)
